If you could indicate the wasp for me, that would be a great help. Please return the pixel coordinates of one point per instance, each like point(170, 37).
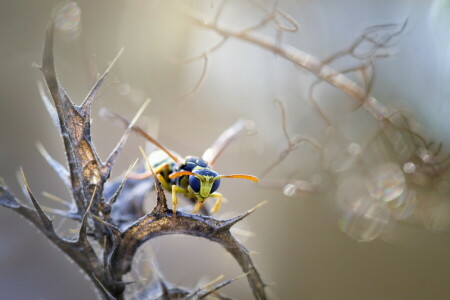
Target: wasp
point(191, 176)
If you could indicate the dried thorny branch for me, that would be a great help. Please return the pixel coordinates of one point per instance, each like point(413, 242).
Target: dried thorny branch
point(303, 60)
point(111, 212)
point(373, 44)
point(407, 145)
point(273, 15)
point(370, 46)
point(292, 142)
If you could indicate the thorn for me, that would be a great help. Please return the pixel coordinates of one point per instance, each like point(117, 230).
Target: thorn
point(44, 218)
point(161, 205)
point(110, 226)
point(213, 282)
point(59, 212)
point(22, 185)
point(56, 199)
point(85, 106)
point(147, 162)
point(139, 113)
point(83, 226)
point(227, 224)
point(103, 287)
point(262, 203)
point(241, 276)
point(164, 289)
point(244, 233)
point(48, 105)
point(132, 281)
point(6, 198)
point(116, 194)
point(206, 291)
point(59, 169)
point(112, 157)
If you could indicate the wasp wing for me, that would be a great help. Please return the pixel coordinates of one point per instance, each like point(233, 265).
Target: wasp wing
point(114, 116)
point(212, 153)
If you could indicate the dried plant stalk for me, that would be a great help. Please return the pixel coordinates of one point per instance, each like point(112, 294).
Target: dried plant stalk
point(111, 212)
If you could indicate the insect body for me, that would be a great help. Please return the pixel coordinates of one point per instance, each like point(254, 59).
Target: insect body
point(191, 176)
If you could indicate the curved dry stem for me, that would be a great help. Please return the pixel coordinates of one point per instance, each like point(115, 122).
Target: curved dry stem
point(161, 221)
point(119, 223)
point(200, 80)
point(303, 60)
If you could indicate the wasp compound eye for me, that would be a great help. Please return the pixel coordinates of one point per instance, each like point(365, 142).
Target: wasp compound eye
point(215, 186)
point(194, 182)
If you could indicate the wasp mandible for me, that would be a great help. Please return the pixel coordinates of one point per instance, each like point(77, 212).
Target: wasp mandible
point(191, 176)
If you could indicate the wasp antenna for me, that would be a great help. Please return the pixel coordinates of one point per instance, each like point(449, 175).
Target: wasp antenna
point(243, 176)
point(181, 173)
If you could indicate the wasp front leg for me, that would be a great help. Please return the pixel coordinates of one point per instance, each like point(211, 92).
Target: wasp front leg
point(197, 207)
point(165, 184)
point(175, 190)
point(219, 200)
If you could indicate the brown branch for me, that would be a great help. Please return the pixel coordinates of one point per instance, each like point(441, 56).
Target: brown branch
point(118, 224)
point(200, 80)
point(161, 221)
point(303, 60)
point(292, 142)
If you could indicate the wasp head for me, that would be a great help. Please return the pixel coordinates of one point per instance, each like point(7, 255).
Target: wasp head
point(203, 183)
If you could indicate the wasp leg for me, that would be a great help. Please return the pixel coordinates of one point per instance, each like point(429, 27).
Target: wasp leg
point(219, 200)
point(148, 173)
point(176, 189)
point(197, 207)
point(163, 181)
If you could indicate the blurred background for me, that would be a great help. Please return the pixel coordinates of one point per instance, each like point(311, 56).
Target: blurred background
point(351, 219)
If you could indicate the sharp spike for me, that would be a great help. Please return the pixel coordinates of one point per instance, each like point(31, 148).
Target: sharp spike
point(48, 105)
point(59, 169)
point(86, 105)
point(111, 115)
point(112, 157)
point(161, 205)
point(114, 197)
point(44, 218)
point(227, 224)
point(83, 227)
point(202, 293)
point(111, 297)
point(62, 213)
point(22, 185)
point(56, 199)
point(114, 229)
point(6, 197)
point(213, 282)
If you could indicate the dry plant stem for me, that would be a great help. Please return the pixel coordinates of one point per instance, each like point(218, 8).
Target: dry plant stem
point(292, 142)
point(303, 60)
point(79, 250)
point(112, 212)
point(200, 80)
point(161, 221)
